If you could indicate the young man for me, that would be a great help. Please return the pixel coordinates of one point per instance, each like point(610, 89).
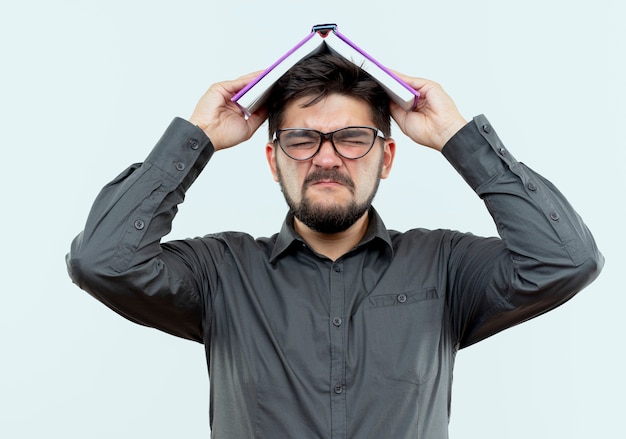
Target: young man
point(335, 327)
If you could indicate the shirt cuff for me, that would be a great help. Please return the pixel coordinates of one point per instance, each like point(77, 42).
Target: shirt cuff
point(477, 153)
point(182, 152)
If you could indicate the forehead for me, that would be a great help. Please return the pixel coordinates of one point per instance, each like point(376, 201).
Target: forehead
point(330, 113)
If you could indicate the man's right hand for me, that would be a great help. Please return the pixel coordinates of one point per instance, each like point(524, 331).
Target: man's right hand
point(436, 118)
point(221, 120)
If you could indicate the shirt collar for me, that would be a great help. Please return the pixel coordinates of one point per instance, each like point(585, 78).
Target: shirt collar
point(287, 237)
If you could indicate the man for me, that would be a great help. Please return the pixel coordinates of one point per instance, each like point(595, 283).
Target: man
point(335, 327)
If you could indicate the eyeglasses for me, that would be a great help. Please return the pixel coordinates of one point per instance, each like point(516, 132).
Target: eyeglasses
point(349, 142)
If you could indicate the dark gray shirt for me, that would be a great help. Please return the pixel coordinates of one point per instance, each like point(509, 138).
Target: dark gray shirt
point(299, 346)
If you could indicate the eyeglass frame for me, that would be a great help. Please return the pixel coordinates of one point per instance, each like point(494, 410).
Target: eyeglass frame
point(328, 136)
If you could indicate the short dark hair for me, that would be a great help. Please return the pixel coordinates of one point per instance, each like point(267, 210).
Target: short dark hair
point(324, 74)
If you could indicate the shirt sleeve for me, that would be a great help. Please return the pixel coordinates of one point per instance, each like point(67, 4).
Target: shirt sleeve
point(545, 255)
point(118, 257)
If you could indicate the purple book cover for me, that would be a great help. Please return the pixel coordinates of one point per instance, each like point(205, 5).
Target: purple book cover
point(323, 30)
point(243, 91)
point(382, 67)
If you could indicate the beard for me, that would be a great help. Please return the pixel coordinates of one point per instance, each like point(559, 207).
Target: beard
point(333, 219)
point(329, 219)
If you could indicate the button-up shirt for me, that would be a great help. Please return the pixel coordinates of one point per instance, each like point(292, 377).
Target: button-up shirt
point(300, 346)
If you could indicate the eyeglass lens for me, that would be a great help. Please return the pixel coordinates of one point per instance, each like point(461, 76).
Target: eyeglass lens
point(349, 142)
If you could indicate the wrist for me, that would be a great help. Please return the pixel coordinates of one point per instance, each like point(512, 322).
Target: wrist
point(449, 132)
point(197, 122)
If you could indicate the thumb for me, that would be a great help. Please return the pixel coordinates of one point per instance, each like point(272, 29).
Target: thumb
point(398, 114)
point(256, 119)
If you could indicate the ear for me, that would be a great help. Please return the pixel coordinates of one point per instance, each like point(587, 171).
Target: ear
point(389, 153)
point(270, 154)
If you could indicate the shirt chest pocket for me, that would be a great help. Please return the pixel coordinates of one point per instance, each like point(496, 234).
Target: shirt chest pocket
point(403, 332)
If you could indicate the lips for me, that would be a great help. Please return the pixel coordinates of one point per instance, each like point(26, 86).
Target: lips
point(325, 182)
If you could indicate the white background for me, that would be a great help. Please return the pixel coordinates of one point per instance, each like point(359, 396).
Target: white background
point(87, 88)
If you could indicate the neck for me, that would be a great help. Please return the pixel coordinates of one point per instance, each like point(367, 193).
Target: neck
point(333, 245)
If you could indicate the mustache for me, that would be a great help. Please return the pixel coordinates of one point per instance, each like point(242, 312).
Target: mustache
point(326, 175)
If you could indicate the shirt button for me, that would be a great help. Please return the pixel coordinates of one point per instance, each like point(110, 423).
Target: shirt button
point(554, 216)
point(532, 186)
point(180, 166)
point(502, 152)
point(338, 268)
point(401, 298)
point(337, 321)
point(487, 128)
point(193, 144)
point(139, 224)
point(338, 389)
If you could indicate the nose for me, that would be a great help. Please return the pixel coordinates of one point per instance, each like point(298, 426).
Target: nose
point(327, 157)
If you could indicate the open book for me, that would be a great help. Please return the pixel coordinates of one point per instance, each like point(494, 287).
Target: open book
point(253, 95)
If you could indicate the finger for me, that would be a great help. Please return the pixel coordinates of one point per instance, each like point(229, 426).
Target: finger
point(233, 86)
point(415, 82)
point(244, 80)
point(251, 75)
